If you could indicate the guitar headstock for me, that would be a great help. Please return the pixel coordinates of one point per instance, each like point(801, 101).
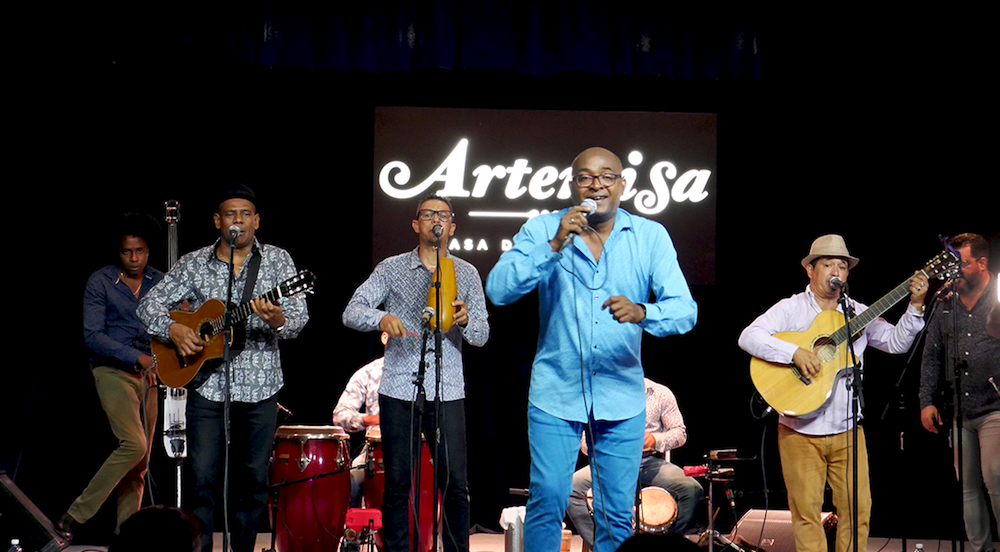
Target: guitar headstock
point(945, 264)
point(303, 282)
point(171, 211)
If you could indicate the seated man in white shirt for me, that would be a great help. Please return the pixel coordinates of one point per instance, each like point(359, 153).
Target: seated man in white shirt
point(357, 410)
point(665, 431)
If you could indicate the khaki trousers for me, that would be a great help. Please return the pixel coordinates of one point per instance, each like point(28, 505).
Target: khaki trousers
point(122, 397)
point(809, 463)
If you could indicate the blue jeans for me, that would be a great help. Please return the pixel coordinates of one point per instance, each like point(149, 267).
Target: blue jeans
point(555, 444)
point(252, 438)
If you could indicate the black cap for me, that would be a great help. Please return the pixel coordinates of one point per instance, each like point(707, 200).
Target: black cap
point(237, 190)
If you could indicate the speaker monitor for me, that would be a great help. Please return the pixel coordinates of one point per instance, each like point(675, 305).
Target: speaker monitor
point(21, 519)
point(777, 535)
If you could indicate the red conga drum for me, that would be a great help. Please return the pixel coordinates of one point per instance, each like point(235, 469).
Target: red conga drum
point(375, 486)
point(310, 513)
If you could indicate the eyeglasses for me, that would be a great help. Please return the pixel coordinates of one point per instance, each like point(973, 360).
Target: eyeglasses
point(587, 180)
point(428, 214)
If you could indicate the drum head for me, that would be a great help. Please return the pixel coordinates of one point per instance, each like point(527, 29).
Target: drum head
point(310, 432)
point(657, 510)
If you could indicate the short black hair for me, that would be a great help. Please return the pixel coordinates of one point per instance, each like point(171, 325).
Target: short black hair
point(434, 195)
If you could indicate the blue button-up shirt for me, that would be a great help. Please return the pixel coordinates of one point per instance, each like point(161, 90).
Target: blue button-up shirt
point(581, 347)
point(111, 329)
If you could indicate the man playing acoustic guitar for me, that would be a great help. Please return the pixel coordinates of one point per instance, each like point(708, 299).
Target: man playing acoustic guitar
point(198, 277)
point(815, 447)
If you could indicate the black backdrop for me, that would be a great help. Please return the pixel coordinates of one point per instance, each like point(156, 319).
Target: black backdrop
point(872, 127)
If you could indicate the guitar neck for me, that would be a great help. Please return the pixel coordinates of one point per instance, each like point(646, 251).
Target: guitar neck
point(243, 311)
point(877, 309)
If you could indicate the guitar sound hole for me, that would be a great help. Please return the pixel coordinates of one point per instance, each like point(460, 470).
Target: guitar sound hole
point(205, 330)
point(825, 349)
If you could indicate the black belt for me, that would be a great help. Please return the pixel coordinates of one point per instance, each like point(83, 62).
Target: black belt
point(656, 453)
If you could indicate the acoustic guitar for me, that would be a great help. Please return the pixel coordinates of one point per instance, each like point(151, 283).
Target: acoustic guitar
point(787, 389)
point(208, 321)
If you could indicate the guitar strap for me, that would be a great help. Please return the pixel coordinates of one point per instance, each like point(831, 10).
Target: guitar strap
point(239, 339)
point(253, 267)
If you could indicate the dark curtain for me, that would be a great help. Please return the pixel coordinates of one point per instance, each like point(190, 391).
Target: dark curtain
point(525, 37)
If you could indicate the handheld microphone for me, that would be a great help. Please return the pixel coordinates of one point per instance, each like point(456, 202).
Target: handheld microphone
point(591, 206)
point(837, 283)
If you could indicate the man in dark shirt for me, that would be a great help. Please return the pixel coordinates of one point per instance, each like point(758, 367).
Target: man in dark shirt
point(124, 371)
point(961, 322)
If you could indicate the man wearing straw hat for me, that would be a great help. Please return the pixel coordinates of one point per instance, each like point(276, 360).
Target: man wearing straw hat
point(815, 448)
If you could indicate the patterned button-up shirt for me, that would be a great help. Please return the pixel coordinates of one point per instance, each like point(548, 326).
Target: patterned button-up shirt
point(979, 351)
point(663, 418)
point(360, 397)
point(200, 276)
point(399, 286)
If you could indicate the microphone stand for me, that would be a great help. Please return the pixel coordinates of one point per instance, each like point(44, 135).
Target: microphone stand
point(951, 348)
point(416, 425)
point(227, 334)
point(418, 380)
point(438, 369)
point(857, 404)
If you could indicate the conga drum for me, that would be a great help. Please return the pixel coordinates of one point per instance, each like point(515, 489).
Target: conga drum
point(375, 485)
point(657, 510)
point(313, 503)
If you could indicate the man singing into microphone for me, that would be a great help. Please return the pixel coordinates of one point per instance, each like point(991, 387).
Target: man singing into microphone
point(256, 371)
point(815, 447)
point(603, 277)
point(392, 300)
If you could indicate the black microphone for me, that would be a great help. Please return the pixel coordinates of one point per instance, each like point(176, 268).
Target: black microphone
point(427, 314)
point(234, 232)
point(837, 283)
point(944, 287)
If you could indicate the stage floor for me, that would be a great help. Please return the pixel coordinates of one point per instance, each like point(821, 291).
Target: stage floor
point(483, 542)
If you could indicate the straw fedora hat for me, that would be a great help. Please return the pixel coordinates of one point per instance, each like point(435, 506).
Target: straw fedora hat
point(830, 245)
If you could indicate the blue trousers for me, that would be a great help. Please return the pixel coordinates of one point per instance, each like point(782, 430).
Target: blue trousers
point(615, 457)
